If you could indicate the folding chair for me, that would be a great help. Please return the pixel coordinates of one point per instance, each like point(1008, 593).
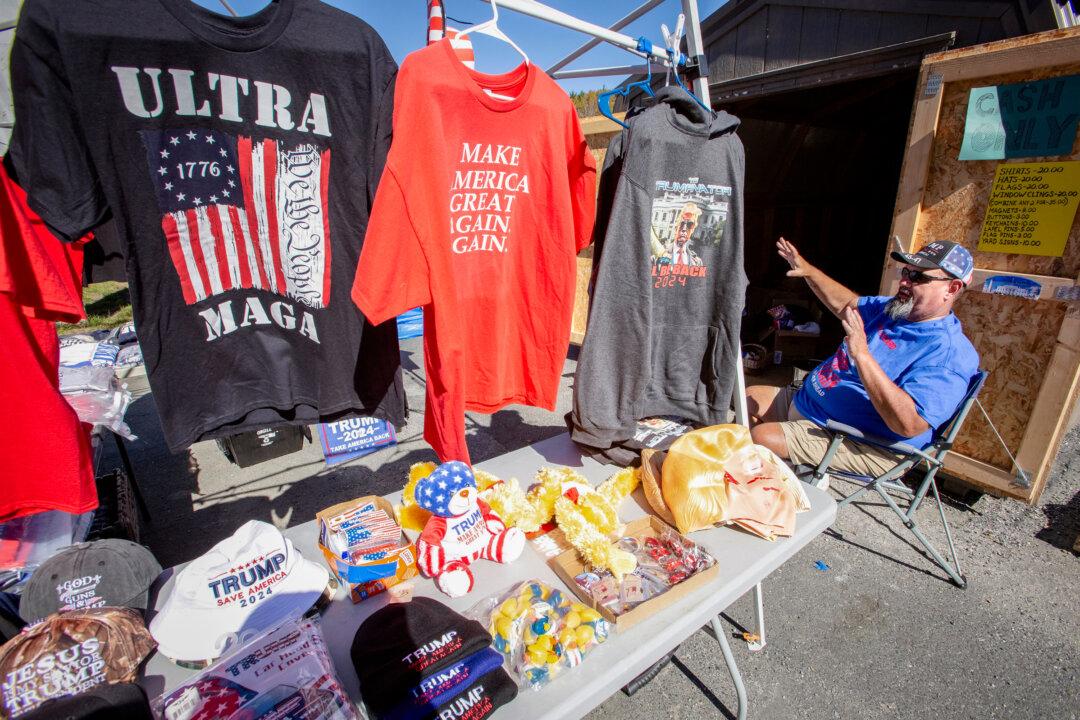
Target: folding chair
point(932, 455)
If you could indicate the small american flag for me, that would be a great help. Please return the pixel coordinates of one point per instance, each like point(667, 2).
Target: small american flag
point(243, 213)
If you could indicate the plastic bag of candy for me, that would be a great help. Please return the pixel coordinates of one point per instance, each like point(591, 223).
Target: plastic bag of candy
point(540, 630)
point(677, 556)
point(662, 562)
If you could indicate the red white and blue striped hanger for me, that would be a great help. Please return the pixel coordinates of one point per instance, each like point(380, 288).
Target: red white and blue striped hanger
point(437, 30)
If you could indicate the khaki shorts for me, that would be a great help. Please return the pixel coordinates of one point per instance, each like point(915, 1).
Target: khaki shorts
point(808, 442)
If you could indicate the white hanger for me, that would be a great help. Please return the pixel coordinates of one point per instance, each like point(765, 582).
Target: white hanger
point(667, 43)
point(491, 28)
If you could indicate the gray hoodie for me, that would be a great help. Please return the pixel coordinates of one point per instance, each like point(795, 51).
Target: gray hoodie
point(669, 285)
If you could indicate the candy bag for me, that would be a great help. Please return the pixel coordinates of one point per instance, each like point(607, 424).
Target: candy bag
point(541, 631)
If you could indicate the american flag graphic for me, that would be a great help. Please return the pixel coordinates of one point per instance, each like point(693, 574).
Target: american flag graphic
point(214, 698)
point(243, 213)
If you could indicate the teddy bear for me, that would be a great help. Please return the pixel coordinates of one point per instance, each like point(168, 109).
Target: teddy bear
point(461, 529)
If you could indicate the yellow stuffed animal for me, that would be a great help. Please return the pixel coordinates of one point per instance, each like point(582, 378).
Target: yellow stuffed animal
point(588, 517)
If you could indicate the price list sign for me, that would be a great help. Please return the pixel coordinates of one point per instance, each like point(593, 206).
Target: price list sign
point(1031, 208)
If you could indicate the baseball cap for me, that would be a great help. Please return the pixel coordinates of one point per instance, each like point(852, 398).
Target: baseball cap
point(249, 582)
point(114, 573)
point(944, 254)
point(69, 653)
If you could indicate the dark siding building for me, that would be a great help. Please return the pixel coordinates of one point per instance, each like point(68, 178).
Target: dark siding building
point(824, 89)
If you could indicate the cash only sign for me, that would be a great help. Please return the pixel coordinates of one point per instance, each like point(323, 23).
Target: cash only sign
point(1032, 205)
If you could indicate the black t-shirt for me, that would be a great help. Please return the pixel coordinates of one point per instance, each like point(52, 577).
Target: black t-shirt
point(239, 157)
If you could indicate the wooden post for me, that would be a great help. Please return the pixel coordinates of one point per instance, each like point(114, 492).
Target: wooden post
point(598, 133)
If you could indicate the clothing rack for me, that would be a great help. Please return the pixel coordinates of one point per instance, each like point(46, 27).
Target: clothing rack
point(695, 60)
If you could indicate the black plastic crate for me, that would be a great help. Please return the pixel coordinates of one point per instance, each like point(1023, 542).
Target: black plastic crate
point(256, 446)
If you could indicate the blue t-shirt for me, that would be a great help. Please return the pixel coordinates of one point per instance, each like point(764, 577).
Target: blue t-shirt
point(932, 361)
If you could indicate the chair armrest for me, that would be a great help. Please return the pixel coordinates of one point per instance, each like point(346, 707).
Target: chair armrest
point(899, 447)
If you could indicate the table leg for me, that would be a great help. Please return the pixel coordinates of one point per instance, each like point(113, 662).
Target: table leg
point(729, 658)
point(759, 617)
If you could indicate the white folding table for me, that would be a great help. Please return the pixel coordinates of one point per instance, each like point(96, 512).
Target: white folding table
point(744, 561)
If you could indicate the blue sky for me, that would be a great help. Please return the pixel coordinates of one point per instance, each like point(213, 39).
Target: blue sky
point(403, 26)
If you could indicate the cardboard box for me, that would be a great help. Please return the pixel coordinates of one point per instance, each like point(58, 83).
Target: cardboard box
point(370, 578)
point(796, 347)
point(568, 564)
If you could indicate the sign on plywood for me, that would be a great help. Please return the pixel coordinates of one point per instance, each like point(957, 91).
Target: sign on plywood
point(1031, 208)
point(1023, 120)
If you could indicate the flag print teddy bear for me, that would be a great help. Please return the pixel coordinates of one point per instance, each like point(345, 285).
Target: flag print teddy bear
point(461, 529)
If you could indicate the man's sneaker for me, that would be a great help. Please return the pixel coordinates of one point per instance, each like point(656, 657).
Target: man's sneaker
point(823, 483)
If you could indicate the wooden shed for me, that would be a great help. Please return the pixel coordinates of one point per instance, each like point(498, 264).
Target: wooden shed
point(1021, 310)
point(825, 90)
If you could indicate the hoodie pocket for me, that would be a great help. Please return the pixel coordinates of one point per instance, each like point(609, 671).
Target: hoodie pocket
point(683, 366)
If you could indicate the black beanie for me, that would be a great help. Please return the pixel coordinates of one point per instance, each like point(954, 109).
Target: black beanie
point(120, 701)
point(403, 643)
point(478, 700)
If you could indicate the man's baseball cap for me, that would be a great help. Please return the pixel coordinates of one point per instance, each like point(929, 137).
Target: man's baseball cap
point(249, 582)
point(944, 254)
point(113, 573)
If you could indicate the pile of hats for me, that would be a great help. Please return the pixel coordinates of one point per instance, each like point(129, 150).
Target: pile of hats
point(420, 660)
point(82, 656)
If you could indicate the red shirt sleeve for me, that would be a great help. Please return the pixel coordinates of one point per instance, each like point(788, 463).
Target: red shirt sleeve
point(582, 189)
point(41, 273)
point(392, 275)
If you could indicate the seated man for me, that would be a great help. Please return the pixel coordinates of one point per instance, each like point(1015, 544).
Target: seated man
point(901, 371)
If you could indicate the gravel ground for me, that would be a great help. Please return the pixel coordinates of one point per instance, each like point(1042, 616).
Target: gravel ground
point(881, 633)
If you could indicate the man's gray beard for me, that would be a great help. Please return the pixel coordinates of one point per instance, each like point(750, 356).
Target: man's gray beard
point(899, 309)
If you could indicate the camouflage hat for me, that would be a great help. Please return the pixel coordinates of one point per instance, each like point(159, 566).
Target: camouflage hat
point(68, 653)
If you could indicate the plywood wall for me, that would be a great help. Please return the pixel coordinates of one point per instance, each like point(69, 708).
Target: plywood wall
point(1014, 337)
point(1030, 347)
point(954, 201)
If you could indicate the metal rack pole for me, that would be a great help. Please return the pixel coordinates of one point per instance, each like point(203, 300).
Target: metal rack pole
point(695, 48)
point(558, 17)
point(617, 25)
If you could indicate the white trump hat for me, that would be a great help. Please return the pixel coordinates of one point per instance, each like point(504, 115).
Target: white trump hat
point(248, 583)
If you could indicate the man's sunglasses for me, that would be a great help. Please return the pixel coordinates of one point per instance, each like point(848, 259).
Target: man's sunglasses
point(918, 277)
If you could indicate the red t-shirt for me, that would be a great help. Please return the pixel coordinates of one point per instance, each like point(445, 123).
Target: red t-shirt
point(44, 449)
point(480, 213)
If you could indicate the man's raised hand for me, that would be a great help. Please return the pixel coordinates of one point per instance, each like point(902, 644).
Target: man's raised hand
point(852, 321)
point(799, 267)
